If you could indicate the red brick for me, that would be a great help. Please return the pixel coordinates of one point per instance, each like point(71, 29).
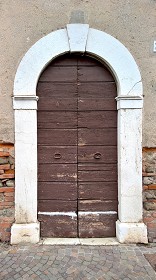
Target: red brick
point(145, 174)
point(10, 171)
point(6, 203)
point(151, 200)
point(7, 189)
point(151, 225)
point(9, 198)
point(5, 237)
point(4, 154)
point(148, 219)
point(6, 207)
point(7, 176)
point(4, 225)
point(7, 220)
point(154, 214)
point(152, 187)
point(145, 188)
point(6, 145)
point(9, 194)
point(4, 166)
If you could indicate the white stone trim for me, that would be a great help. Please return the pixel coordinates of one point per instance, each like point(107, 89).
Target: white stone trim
point(79, 38)
point(29, 233)
point(80, 241)
point(77, 34)
point(26, 166)
point(131, 232)
point(129, 102)
point(25, 102)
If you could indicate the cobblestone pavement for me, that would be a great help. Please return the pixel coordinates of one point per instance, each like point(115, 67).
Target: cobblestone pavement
point(76, 262)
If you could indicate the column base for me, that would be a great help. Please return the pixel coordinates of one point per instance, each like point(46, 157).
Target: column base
point(25, 233)
point(131, 232)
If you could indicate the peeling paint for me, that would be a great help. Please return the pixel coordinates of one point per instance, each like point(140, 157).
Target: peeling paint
point(81, 213)
point(70, 214)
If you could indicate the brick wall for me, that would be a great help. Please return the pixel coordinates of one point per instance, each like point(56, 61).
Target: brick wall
point(149, 191)
point(6, 190)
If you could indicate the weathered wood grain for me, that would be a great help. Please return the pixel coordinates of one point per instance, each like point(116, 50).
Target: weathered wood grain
point(97, 225)
point(88, 60)
point(98, 190)
point(56, 90)
point(97, 90)
point(98, 137)
point(57, 190)
point(96, 104)
point(97, 176)
point(57, 154)
point(97, 205)
point(57, 172)
point(65, 60)
point(88, 154)
point(97, 167)
point(58, 226)
point(59, 74)
point(51, 205)
point(56, 137)
point(97, 119)
point(97, 74)
point(53, 119)
point(57, 104)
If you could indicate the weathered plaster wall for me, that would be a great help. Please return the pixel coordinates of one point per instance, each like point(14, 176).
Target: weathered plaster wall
point(23, 22)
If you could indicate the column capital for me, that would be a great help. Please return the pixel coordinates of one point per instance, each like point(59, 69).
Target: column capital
point(129, 102)
point(25, 102)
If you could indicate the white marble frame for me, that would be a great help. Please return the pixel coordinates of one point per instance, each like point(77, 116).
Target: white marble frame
point(82, 39)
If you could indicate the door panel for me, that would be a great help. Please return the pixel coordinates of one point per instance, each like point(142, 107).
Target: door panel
point(58, 206)
point(100, 104)
point(77, 154)
point(97, 119)
point(57, 190)
point(100, 154)
point(97, 205)
point(58, 225)
point(57, 119)
point(97, 137)
point(57, 74)
point(102, 90)
point(91, 74)
point(56, 137)
point(58, 104)
point(57, 154)
point(96, 225)
point(57, 172)
point(97, 190)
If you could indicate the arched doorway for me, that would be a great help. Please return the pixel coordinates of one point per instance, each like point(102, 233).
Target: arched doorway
point(77, 149)
point(87, 41)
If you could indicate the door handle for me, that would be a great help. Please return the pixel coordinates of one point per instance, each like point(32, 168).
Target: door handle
point(57, 156)
point(97, 156)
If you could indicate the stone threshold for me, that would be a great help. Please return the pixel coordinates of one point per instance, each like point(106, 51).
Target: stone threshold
point(80, 241)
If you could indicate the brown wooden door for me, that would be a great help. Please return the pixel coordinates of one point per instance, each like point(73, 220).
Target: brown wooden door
point(77, 149)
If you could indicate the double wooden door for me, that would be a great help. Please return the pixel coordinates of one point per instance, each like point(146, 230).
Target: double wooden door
point(77, 149)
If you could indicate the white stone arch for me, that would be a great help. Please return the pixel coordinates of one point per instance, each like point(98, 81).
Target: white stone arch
point(82, 39)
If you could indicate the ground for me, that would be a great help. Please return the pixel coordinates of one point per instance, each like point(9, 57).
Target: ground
point(77, 262)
